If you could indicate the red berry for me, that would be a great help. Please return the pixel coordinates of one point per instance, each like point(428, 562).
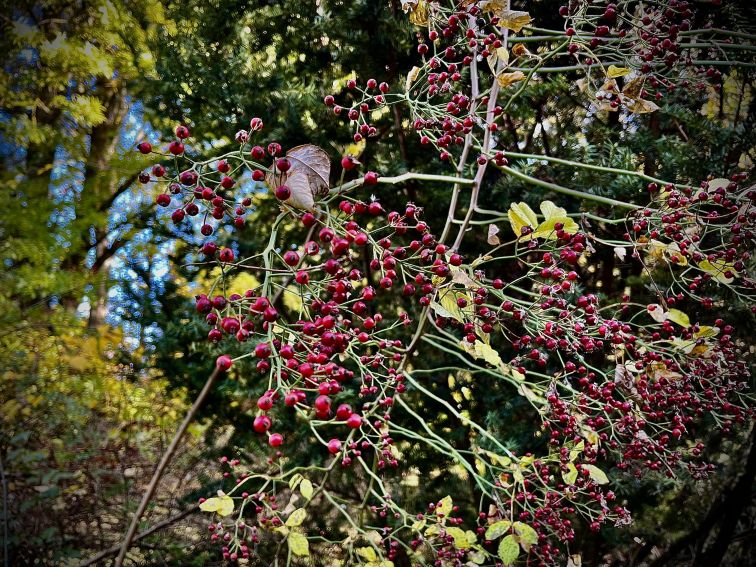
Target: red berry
point(226, 255)
point(176, 148)
point(182, 132)
point(334, 446)
point(144, 147)
point(275, 440)
point(348, 162)
point(371, 178)
point(283, 192)
point(261, 424)
point(224, 362)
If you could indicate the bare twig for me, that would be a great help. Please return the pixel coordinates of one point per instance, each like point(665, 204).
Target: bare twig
point(165, 459)
point(141, 535)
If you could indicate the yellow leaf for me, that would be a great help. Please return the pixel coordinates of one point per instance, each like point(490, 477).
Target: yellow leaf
point(223, 504)
point(298, 544)
point(498, 55)
point(677, 316)
point(528, 536)
point(521, 215)
point(632, 88)
point(296, 518)
point(613, 71)
point(460, 537)
point(445, 507)
point(368, 553)
point(547, 228)
point(506, 79)
point(598, 476)
point(717, 269)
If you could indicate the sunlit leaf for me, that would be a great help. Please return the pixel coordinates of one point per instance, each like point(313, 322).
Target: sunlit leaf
point(223, 505)
point(296, 518)
point(570, 476)
point(613, 71)
point(598, 476)
point(677, 316)
point(498, 529)
point(508, 550)
point(521, 215)
point(298, 544)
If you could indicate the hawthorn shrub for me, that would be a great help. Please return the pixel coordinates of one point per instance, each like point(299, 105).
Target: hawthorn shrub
point(615, 386)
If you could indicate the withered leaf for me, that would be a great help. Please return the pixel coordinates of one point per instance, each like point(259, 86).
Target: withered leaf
point(307, 178)
point(493, 239)
point(506, 79)
point(641, 106)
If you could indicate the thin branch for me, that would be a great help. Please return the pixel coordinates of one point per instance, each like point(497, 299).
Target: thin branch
point(141, 535)
point(165, 459)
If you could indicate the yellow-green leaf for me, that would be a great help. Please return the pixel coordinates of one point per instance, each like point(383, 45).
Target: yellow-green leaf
point(677, 316)
point(296, 518)
point(298, 544)
point(613, 71)
point(223, 504)
point(547, 228)
point(598, 476)
point(570, 476)
point(508, 550)
point(717, 269)
point(460, 537)
point(528, 535)
point(305, 487)
point(367, 553)
point(445, 507)
point(498, 529)
point(521, 215)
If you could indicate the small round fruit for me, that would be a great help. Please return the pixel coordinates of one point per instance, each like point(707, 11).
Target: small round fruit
point(275, 440)
point(334, 446)
point(144, 147)
point(224, 362)
point(283, 192)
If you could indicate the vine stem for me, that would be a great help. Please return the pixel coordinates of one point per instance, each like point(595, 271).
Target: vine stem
point(568, 191)
point(164, 461)
point(392, 180)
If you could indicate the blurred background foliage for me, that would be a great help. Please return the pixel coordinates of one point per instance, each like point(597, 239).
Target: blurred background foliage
point(101, 351)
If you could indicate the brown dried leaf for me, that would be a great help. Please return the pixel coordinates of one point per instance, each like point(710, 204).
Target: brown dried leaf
point(506, 79)
point(513, 19)
point(632, 88)
point(641, 106)
point(307, 178)
point(418, 11)
point(493, 230)
point(411, 76)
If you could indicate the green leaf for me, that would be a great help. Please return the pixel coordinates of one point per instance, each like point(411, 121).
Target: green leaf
point(509, 550)
point(528, 535)
point(498, 529)
point(298, 544)
point(296, 518)
point(596, 474)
